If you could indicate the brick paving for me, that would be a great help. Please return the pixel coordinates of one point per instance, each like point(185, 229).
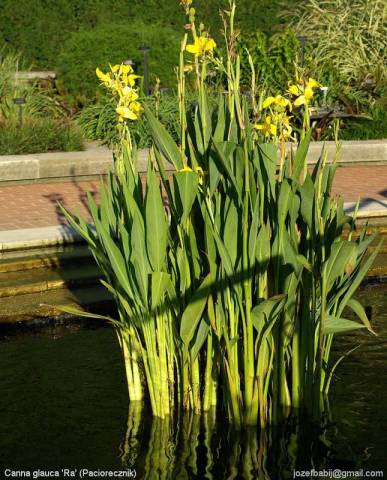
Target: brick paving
point(36, 205)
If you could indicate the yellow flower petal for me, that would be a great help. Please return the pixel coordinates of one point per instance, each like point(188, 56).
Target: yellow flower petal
point(294, 90)
point(269, 101)
point(300, 101)
point(201, 45)
point(125, 112)
point(104, 77)
point(209, 44)
point(126, 68)
point(312, 83)
point(308, 94)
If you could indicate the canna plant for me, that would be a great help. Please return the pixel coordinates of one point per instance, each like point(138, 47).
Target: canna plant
point(234, 296)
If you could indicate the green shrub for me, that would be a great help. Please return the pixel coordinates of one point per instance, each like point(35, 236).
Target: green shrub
point(99, 121)
point(43, 27)
point(114, 43)
point(38, 102)
point(374, 129)
point(346, 44)
point(273, 57)
point(39, 135)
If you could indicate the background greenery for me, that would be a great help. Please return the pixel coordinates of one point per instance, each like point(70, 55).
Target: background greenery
point(114, 43)
point(38, 28)
point(73, 37)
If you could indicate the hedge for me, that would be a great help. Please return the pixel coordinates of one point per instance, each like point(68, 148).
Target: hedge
point(38, 28)
point(115, 43)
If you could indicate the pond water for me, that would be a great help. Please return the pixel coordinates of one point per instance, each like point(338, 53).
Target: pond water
point(63, 404)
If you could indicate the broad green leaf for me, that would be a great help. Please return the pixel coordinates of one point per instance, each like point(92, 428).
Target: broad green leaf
point(267, 310)
point(307, 202)
point(156, 225)
point(341, 260)
point(187, 184)
point(268, 165)
point(201, 337)
point(116, 259)
point(284, 203)
point(358, 308)
point(355, 283)
point(225, 152)
point(262, 252)
point(159, 283)
point(231, 230)
point(339, 325)
point(163, 140)
point(300, 156)
point(194, 310)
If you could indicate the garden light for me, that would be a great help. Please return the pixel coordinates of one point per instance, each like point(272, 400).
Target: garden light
point(302, 39)
point(20, 101)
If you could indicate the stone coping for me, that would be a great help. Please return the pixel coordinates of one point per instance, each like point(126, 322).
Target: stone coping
point(97, 160)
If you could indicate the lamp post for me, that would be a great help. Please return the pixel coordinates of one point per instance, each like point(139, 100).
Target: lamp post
point(302, 39)
point(20, 101)
point(145, 50)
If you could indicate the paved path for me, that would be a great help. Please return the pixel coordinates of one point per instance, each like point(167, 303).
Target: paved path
point(36, 205)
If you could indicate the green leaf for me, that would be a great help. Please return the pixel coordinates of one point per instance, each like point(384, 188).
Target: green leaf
point(267, 311)
point(159, 282)
point(262, 251)
point(341, 260)
point(355, 283)
point(156, 225)
point(268, 165)
point(194, 310)
point(358, 308)
point(187, 186)
point(307, 202)
point(163, 140)
point(339, 325)
point(300, 156)
point(225, 152)
point(201, 337)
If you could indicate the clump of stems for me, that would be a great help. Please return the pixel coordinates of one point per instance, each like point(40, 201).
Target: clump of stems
point(232, 298)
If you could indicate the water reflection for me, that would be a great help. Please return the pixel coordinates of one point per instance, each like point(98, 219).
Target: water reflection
point(206, 447)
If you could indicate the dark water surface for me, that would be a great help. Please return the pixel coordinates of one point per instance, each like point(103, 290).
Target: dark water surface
point(63, 404)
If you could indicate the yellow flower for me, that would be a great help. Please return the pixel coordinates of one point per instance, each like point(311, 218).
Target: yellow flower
point(305, 98)
point(104, 77)
point(267, 128)
point(312, 83)
point(131, 113)
point(126, 68)
point(269, 101)
point(201, 45)
point(130, 79)
point(278, 100)
point(136, 108)
point(128, 94)
point(294, 90)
